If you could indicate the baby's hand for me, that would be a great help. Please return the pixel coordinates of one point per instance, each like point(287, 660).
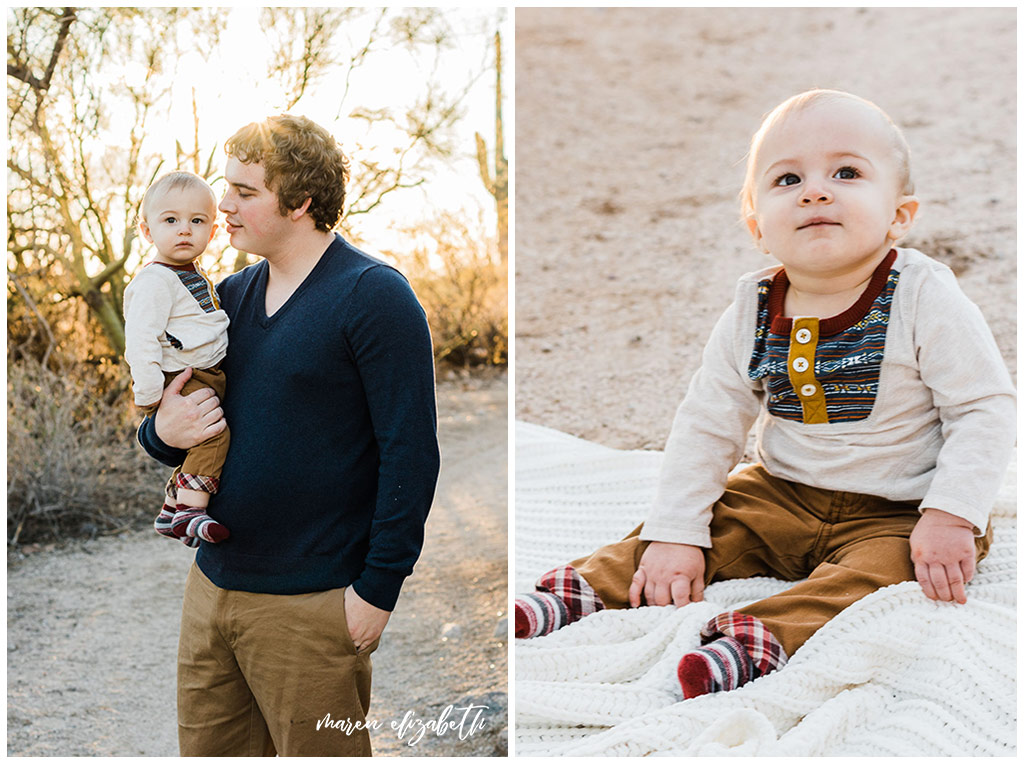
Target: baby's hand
point(669, 574)
point(942, 550)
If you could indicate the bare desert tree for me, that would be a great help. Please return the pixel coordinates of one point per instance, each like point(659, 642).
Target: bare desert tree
point(82, 87)
point(85, 86)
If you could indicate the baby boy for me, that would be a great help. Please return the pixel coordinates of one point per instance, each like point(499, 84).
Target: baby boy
point(173, 321)
point(885, 410)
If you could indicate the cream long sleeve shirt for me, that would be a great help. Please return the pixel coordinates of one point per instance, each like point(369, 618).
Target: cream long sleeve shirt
point(940, 430)
point(172, 321)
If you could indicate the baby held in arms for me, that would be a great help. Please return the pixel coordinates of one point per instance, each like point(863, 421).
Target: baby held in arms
point(173, 321)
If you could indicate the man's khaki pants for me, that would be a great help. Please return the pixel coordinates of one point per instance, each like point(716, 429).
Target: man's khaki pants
point(256, 672)
point(846, 545)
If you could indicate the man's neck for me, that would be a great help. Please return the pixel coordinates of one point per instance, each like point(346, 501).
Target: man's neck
point(290, 265)
point(293, 261)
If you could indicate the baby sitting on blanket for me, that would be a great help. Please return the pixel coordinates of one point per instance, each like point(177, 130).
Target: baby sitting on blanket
point(888, 414)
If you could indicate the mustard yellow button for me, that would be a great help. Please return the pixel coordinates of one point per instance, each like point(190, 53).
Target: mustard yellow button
point(800, 365)
point(808, 390)
point(803, 336)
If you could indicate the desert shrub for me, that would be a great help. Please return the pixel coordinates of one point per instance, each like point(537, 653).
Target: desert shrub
point(73, 467)
point(463, 288)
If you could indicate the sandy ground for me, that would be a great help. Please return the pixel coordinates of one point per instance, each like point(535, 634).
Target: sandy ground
point(631, 129)
point(92, 627)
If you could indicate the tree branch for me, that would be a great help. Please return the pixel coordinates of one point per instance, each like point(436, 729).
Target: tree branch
point(30, 304)
point(105, 275)
point(27, 176)
point(62, 35)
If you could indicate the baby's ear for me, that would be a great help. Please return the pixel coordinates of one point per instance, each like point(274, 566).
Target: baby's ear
point(903, 220)
point(145, 231)
point(755, 232)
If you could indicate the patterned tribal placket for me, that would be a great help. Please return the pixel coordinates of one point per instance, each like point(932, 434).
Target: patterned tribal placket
point(820, 371)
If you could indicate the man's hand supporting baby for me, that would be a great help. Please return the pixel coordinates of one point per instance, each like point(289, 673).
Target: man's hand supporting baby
point(942, 550)
point(669, 574)
point(185, 421)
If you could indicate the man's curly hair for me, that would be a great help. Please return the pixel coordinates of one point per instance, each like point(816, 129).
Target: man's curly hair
point(300, 161)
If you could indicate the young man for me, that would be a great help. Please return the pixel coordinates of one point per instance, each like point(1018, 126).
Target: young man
point(331, 472)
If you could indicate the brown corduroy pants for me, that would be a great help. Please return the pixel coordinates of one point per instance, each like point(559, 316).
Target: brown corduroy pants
point(845, 546)
point(257, 672)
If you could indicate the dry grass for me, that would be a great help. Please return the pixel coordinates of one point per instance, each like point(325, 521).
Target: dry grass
point(463, 288)
point(73, 467)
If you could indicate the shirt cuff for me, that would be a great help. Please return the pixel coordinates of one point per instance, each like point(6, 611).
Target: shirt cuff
point(379, 587)
point(676, 533)
point(156, 448)
point(960, 508)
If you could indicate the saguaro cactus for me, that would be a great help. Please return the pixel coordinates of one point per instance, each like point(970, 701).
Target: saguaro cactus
point(497, 185)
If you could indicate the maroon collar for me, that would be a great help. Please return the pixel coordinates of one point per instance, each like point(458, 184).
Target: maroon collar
point(833, 325)
point(191, 267)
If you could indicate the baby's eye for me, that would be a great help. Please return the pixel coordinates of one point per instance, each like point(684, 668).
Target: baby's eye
point(197, 221)
point(847, 173)
point(171, 219)
point(788, 179)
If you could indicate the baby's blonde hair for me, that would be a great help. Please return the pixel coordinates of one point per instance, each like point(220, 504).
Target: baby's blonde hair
point(803, 101)
point(169, 181)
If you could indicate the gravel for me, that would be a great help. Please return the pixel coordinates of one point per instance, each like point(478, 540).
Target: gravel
point(92, 626)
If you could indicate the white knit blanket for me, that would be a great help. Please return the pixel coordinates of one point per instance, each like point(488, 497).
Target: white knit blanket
point(895, 674)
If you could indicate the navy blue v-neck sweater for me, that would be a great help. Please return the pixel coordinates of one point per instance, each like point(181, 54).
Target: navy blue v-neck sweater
point(334, 458)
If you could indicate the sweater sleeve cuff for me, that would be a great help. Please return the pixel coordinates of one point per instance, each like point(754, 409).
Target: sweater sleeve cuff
point(155, 447)
point(959, 508)
point(379, 587)
point(676, 533)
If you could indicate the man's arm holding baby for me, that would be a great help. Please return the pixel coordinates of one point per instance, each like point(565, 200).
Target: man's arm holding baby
point(184, 421)
point(181, 421)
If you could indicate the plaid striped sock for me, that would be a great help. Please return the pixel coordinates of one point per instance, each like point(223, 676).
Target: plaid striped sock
point(761, 645)
point(538, 614)
point(194, 522)
point(737, 648)
point(163, 521)
point(719, 665)
point(190, 541)
point(562, 597)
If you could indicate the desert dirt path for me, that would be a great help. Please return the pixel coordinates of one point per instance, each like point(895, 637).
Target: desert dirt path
point(92, 627)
